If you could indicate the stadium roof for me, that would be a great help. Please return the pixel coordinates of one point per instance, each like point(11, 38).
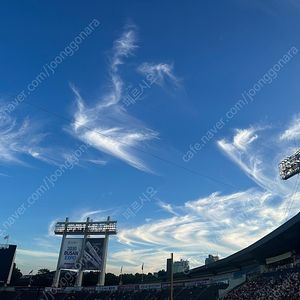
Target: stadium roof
point(282, 240)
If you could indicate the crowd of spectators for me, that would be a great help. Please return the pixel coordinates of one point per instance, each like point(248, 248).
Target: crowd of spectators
point(273, 288)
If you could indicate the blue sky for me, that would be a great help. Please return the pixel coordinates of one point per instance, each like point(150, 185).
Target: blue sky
point(192, 104)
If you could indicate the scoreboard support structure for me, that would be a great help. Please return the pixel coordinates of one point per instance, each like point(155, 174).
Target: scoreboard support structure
point(85, 229)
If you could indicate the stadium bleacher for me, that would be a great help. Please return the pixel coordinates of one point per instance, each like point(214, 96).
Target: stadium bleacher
point(161, 294)
point(5, 295)
point(277, 286)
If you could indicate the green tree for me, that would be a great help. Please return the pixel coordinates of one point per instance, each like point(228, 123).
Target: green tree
point(111, 279)
point(162, 273)
point(149, 277)
point(129, 279)
point(90, 279)
point(16, 276)
point(43, 278)
point(138, 277)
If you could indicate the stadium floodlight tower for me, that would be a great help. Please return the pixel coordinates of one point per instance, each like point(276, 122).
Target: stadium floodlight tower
point(80, 254)
point(290, 166)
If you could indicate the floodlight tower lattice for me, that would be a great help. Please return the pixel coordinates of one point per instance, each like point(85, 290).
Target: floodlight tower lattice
point(290, 166)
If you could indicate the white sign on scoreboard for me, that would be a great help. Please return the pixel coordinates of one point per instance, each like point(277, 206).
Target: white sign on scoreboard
point(71, 252)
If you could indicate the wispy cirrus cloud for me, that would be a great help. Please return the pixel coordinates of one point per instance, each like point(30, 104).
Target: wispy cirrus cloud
point(114, 132)
point(20, 138)
point(240, 151)
point(98, 214)
point(4, 175)
point(51, 228)
point(220, 223)
point(214, 224)
point(163, 72)
point(293, 131)
point(37, 259)
point(273, 8)
point(124, 46)
point(98, 161)
point(243, 138)
point(37, 253)
point(258, 153)
point(217, 223)
point(166, 207)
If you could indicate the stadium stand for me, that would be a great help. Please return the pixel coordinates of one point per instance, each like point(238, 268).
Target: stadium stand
point(99, 296)
point(275, 286)
point(189, 293)
point(8, 295)
point(49, 295)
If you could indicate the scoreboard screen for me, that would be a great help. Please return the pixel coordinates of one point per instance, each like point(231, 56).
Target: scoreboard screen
point(7, 257)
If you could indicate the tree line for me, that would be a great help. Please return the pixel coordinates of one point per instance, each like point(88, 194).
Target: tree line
point(44, 277)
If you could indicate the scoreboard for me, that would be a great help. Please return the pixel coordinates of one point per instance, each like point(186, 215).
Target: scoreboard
point(7, 257)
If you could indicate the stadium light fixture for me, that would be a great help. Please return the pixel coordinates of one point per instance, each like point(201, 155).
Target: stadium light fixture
point(88, 228)
point(290, 166)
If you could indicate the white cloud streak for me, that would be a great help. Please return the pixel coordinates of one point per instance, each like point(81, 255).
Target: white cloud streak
point(37, 253)
point(4, 175)
point(115, 131)
point(293, 131)
point(20, 138)
point(163, 72)
point(240, 152)
point(219, 223)
point(98, 161)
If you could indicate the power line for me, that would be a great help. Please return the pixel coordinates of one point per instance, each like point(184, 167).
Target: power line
point(120, 142)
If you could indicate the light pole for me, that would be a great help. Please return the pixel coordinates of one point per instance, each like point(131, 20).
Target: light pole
point(121, 282)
